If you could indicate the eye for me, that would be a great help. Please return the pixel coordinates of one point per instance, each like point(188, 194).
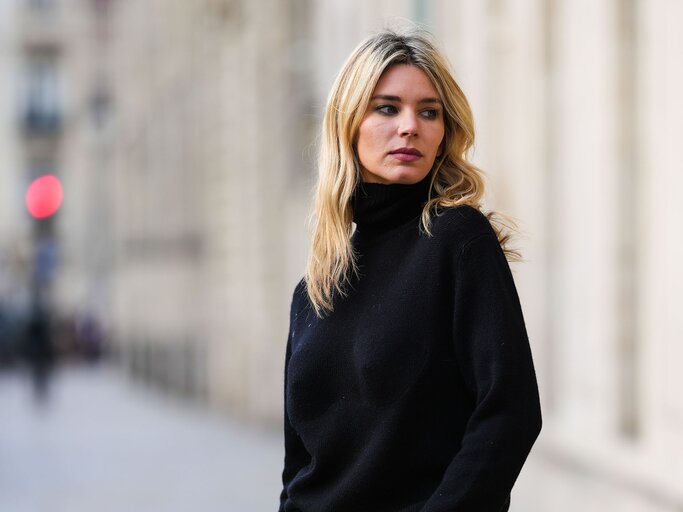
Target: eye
point(430, 113)
point(387, 110)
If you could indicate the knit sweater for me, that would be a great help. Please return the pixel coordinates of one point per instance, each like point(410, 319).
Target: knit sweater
point(418, 393)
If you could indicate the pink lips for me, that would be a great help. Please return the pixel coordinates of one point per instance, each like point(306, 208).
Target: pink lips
point(406, 154)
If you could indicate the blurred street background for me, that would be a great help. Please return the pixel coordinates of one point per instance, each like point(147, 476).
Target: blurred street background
point(104, 445)
point(157, 159)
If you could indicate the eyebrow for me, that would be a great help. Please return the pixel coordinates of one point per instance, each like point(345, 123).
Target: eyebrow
point(388, 97)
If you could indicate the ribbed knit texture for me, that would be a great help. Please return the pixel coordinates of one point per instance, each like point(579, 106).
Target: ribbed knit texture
point(418, 393)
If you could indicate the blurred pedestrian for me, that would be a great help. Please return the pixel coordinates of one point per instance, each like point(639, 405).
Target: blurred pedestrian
point(409, 379)
point(90, 337)
point(39, 351)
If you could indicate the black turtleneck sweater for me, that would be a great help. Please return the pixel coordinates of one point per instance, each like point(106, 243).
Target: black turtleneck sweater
point(418, 393)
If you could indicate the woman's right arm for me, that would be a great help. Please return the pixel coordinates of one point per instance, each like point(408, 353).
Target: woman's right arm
point(296, 456)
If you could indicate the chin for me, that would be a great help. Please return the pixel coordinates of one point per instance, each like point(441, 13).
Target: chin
point(399, 175)
point(407, 176)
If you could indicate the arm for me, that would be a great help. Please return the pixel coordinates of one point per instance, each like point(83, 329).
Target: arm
point(296, 456)
point(493, 351)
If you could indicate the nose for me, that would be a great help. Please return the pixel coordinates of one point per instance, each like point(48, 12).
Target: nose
point(408, 124)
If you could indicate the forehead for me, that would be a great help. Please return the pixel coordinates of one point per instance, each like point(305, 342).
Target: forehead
point(405, 80)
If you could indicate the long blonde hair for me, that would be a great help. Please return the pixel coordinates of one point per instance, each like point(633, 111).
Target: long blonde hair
point(455, 181)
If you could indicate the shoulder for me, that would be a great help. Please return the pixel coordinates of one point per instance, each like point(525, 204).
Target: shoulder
point(472, 243)
point(460, 225)
point(298, 293)
point(299, 300)
point(300, 288)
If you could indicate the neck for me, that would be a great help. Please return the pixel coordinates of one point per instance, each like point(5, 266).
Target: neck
point(379, 207)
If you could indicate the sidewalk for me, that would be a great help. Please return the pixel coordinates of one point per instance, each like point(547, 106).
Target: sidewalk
point(106, 444)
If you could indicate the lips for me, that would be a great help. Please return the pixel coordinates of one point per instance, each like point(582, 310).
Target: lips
point(405, 151)
point(406, 154)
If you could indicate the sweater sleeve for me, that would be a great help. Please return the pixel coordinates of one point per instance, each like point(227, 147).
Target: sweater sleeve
point(296, 456)
point(495, 359)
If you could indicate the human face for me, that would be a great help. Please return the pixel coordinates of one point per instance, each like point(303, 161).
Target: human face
point(403, 127)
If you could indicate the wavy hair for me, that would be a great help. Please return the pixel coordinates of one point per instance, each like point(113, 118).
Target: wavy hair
point(455, 181)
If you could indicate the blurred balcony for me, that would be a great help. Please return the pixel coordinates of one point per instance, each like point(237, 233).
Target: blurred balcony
point(41, 131)
point(37, 122)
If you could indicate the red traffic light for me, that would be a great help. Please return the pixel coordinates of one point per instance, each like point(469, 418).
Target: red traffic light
point(44, 196)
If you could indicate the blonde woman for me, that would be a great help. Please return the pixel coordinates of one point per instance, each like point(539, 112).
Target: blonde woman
point(409, 380)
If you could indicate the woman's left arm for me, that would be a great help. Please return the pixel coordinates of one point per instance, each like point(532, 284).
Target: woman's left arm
point(492, 348)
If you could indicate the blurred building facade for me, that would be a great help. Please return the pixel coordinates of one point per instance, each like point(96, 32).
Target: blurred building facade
point(210, 193)
point(52, 53)
point(189, 152)
point(31, 143)
point(83, 288)
point(14, 226)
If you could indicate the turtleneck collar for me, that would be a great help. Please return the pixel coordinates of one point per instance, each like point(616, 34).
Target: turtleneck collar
point(380, 207)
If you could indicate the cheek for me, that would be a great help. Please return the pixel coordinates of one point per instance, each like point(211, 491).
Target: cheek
point(436, 138)
point(370, 140)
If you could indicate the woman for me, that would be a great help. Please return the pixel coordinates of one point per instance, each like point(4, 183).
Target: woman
point(409, 381)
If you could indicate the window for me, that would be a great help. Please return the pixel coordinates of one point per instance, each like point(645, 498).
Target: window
point(41, 95)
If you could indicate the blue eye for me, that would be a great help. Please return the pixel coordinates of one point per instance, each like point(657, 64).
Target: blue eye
point(431, 113)
point(386, 109)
